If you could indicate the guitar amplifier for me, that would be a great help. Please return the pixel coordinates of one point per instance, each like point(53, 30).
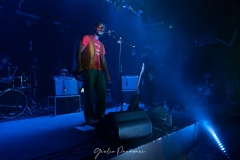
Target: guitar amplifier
point(65, 85)
point(129, 82)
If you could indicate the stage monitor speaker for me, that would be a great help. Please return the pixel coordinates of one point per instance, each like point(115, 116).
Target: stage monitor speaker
point(160, 115)
point(124, 125)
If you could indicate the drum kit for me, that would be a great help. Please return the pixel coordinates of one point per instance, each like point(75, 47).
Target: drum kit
point(16, 100)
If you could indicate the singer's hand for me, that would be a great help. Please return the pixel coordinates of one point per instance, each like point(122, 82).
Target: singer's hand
point(78, 74)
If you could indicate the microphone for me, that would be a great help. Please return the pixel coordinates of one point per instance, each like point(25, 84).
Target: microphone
point(109, 31)
point(9, 64)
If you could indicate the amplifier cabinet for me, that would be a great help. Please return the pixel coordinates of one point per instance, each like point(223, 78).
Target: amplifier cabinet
point(64, 104)
point(65, 85)
point(129, 82)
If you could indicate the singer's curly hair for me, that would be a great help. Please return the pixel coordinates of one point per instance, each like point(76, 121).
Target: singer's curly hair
point(98, 23)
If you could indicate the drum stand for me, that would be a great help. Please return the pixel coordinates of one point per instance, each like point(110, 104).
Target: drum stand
point(32, 108)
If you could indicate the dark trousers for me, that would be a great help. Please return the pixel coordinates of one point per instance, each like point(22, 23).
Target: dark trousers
point(94, 81)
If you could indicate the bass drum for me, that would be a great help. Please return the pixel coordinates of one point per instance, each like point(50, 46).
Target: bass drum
point(12, 103)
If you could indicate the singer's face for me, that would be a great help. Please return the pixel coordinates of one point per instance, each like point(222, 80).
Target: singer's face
point(99, 30)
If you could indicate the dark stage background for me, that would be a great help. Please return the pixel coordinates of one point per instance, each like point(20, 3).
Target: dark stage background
point(190, 39)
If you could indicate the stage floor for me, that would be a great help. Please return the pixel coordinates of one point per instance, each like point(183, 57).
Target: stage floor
point(63, 137)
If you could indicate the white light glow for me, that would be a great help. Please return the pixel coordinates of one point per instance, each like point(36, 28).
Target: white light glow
point(210, 129)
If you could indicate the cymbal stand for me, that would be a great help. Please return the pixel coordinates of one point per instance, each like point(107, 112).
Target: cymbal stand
point(15, 69)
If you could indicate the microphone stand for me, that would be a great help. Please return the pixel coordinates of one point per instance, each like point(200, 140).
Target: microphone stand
point(119, 40)
point(120, 70)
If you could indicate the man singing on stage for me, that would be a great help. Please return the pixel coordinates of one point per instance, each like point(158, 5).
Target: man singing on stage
point(91, 62)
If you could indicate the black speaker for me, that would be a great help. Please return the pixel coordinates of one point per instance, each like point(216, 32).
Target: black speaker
point(160, 115)
point(124, 125)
